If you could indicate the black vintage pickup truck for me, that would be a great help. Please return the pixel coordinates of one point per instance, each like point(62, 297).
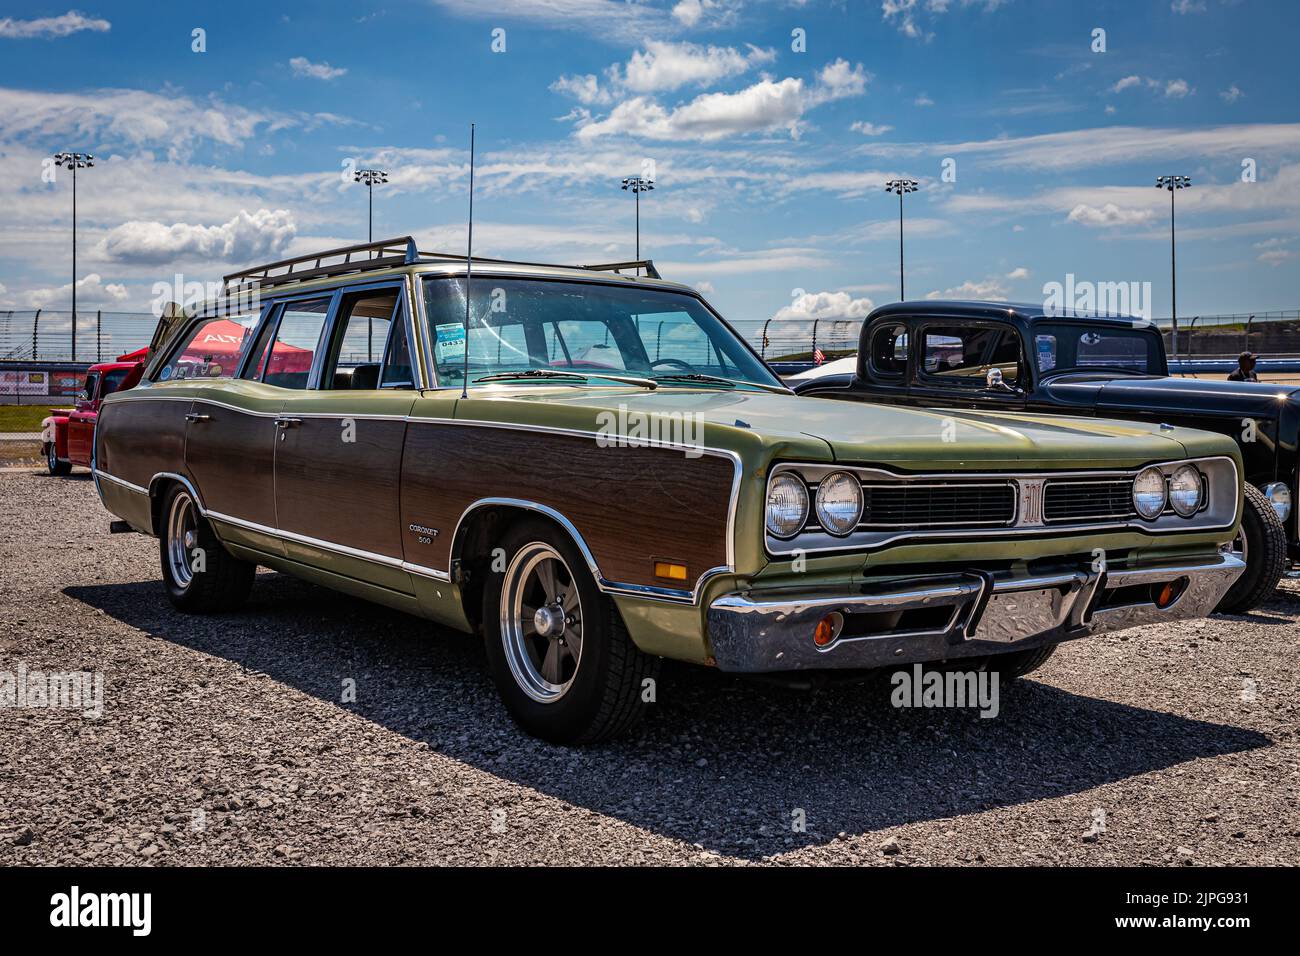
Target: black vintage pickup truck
point(1014, 357)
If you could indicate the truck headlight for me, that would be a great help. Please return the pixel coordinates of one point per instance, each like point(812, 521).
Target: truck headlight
point(1279, 496)
point(1185, 491)
point(839, 503)
point(787, 505)
point(1149, 493)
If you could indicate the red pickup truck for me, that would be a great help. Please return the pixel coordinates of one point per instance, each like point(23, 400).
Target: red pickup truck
point(68, 434)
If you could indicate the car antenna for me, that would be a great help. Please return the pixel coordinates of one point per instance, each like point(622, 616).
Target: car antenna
point(469, 269)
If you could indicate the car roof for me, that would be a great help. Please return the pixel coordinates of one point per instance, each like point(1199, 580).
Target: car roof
point(1023, 313)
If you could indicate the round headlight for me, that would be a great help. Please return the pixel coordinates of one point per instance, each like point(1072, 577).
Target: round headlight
point(839, 503)
point(1185, 491)
point(787, 505)
point(1279, 496)
point(1149, 493)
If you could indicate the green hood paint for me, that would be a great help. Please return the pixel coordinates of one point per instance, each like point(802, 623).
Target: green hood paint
point(909, 439)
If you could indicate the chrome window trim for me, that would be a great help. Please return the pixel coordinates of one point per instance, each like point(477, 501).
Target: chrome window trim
point(822, 542)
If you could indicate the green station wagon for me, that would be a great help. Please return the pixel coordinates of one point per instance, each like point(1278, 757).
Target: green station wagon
point(591, 468)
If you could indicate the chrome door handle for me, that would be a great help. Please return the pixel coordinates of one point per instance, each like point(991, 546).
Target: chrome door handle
point(196, 417)
point(288, 422)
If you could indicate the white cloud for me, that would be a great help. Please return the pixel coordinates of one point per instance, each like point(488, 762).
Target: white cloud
point(1018, 273)
point(261, 235)
point(1274, 252)
point(908, 15)
point(923, 100)
point(1107, 215)
point(1173, 89)
point(688, 12)
point(989, 288)
point(139, 118)
point(662, 67)
point(91, 291)
point(703, 288)
point(302, 66)
point(1107, 145)
point(870, 129)
point(765, 106)
point(825, 305)
point(1231, 94)
point(606, 19)
point(50, 27)
point(1187, 6)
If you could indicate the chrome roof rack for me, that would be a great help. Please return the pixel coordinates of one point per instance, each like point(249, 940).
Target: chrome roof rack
point(385, 254)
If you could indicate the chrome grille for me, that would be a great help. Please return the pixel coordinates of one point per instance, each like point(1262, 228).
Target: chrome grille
point(1087, 500)
point(949, 505)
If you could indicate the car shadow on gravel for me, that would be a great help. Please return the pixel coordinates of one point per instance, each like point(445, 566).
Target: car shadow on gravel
point(729, 764)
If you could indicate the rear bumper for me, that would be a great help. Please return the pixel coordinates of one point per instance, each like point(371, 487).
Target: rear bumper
point(957, 615)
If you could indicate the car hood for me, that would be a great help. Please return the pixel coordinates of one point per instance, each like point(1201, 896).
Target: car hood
point(857, 432)
point(1183, 395)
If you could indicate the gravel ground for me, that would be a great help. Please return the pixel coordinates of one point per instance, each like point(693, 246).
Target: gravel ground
point(224, 740)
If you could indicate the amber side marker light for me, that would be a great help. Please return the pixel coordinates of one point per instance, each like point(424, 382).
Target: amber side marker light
point(673, 572)
point(1169, 593)
point(828, 628)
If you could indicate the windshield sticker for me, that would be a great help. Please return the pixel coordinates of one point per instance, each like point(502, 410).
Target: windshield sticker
point(450, 344)
point(1046, 352)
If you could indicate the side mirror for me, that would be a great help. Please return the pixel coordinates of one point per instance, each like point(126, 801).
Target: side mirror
point(993, 379)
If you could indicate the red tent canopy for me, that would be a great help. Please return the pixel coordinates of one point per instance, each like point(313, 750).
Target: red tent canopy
point(222, 341)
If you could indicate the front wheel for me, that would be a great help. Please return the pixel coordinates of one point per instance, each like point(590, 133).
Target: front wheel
point(56, 467)
point(200, 575)
point(558, 651)
point(1262, 545)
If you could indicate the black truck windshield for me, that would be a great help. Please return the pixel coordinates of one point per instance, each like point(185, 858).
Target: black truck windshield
point(1082, 348)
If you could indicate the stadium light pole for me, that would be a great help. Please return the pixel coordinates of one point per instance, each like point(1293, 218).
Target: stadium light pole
point(901, 186)
point(638, 185)
point(370, 177)
point(74, 161)
point(1173, 184)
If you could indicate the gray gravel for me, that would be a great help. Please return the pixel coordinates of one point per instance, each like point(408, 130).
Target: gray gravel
point(224, 740)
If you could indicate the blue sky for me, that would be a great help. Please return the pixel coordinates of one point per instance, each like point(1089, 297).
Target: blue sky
point(769, 159)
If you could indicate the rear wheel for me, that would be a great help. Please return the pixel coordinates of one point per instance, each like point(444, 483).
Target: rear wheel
point(1262, 545)
point(56, 467)
point(200, 575)
point(560, 656)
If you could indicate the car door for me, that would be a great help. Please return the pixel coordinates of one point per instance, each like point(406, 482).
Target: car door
point(230, 440)
point(951, 358)
point(338, 451)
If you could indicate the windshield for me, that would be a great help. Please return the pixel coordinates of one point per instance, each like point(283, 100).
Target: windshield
point(1082, 348)
point(582, 328)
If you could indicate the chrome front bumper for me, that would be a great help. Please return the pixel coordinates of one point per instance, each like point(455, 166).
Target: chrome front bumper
point(957, 615)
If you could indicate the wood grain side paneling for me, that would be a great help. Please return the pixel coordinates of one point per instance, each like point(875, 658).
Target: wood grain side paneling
point(631, 505)
point(137, 439)
point(231, 458)
point(345, 492)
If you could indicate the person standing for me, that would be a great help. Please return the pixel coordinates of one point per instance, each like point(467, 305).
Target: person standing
point(1245, 371)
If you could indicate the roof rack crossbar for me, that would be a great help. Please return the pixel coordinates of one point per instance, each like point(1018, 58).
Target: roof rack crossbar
point(385, 254)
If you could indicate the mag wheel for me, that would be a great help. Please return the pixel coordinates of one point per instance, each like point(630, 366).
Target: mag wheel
point(560, 656)
point(52, 462)
point(198, 572)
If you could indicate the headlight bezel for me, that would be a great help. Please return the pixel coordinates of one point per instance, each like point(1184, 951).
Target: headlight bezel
point(1199, 481)
point(1159, 476)
point(837, 477)
point(796, 480)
